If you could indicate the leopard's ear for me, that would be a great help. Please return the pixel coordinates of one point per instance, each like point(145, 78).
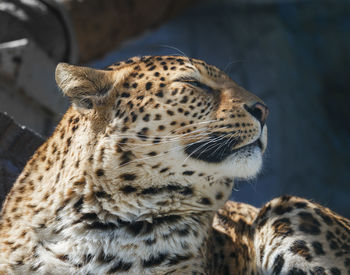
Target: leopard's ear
point(86, 87)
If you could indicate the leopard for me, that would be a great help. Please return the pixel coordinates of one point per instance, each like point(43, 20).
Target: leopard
point(136, 178)
point(289, 235)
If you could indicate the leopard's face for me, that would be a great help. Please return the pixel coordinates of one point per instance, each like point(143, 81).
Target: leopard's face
point(169, 118)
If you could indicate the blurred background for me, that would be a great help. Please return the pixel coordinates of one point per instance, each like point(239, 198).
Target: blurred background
point(293, 54)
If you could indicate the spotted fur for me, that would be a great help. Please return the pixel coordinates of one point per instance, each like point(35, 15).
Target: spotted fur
point(131, 178)
point(289, 235)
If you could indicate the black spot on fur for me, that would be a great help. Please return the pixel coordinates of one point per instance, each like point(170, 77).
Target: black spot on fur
point(125, 94)
point(105, 258)
point(188, 173)
point(160, 94)
point(205, 201)
point(176, 259)
point(100, 172)
point(219, 195)
point(318, 270)
point(150, 242)
point(135, 227)
point(326, 218)
point(164, 170)
point(142, 134)
point(183, 231)
point(280, 209)
point(128, 176)
point(317, 246)
point(125, 157)
point(127, 189)
point(89, 216)
point(309, 224)
point(102, 194)
point(296, 271)
point(186, 191)
point(282, 227)
point(172, 187)
point(278, 264)
point(335, 271)
point(300, 248)
point(300, 204)
point(87, 258)
point(77, 206)
point(170, 113)
point(156, 140)
point(133, 117)
point(184, 99)
point(150, 191)
point(148, 85)
point(146, 117)
point(120, 266)
point(167, 219)
point(154, 260)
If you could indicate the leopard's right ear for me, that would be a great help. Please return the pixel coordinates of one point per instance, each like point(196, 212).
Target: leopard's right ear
point(86, 87)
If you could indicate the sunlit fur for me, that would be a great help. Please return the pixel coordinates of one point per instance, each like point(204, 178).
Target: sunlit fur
point(132, 176)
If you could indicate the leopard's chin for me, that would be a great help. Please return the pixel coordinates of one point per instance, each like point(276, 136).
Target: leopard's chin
point(245, 162)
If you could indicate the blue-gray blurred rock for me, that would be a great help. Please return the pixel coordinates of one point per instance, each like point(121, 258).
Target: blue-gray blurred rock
point(295, 56)
point(17, 145)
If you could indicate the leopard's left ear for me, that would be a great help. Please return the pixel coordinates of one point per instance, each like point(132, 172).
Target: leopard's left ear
point(86, 87)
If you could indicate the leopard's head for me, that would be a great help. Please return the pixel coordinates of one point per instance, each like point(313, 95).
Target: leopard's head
point(168, 122)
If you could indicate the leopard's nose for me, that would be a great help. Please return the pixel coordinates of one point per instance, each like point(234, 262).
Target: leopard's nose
point(259, 111)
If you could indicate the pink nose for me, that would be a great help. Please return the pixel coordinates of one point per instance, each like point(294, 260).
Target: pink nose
point(259, 111)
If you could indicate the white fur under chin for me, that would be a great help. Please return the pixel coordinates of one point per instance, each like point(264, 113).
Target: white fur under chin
point(244, 164)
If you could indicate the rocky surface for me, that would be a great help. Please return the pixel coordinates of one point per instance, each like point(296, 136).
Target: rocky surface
point(17, 145)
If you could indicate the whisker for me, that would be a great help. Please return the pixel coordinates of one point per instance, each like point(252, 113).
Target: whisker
point(200, 147)
point(198, 133)
point(150, 157)
point(216, 144)
point(230, 63)
point(172, 139)
point(174, 48)
point(187, 136)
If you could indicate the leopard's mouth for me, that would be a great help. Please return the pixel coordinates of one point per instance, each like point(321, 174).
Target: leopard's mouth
point(216, 150)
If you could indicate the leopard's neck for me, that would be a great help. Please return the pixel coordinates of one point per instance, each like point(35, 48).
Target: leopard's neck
point(163, 244)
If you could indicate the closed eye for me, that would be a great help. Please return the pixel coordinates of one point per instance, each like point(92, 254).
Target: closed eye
point(197, 84)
